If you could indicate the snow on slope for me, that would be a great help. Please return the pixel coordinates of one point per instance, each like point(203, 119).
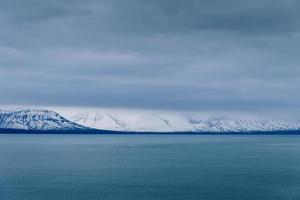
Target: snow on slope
point(29, 119)
point(163, 121)
point(241, 125)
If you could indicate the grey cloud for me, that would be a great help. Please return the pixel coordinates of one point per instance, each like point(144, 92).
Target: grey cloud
point(171, 54)
point(192, 15)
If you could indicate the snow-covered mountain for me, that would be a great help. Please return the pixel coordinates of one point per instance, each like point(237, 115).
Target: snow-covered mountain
point(135, 120)
point(29, 119)
point(162, 121)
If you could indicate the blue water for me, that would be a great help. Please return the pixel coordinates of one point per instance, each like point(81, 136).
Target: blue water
point(144, 167)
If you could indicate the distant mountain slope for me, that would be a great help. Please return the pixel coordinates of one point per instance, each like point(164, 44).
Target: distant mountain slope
point(35, 120)
point(160, 121)
point(241, 125)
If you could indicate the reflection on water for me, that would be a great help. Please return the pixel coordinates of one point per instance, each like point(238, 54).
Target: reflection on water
point(78, 167)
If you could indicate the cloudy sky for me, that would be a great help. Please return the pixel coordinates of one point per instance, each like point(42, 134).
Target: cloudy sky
point(161, 54)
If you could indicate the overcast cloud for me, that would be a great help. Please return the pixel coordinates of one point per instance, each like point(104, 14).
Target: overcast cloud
point(159, 54)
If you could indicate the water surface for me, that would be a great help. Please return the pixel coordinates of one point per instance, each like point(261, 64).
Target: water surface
point(144, 167)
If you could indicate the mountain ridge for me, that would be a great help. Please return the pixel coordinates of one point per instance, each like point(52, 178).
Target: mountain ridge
point(160, 121)
point(134, 122)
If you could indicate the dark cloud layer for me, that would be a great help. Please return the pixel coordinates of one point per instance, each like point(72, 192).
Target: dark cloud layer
point(167, 54)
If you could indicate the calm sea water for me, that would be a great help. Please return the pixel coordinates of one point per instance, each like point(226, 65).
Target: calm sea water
point(143, 167)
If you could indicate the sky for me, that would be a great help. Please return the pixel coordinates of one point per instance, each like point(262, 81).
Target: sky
point(200, 55)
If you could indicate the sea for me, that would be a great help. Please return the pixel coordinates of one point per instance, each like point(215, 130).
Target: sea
point(149, 167)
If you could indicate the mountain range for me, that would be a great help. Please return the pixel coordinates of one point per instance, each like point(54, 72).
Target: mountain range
point(80, 120)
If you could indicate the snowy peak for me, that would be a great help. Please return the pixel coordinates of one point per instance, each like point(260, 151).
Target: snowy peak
point(35, 120)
